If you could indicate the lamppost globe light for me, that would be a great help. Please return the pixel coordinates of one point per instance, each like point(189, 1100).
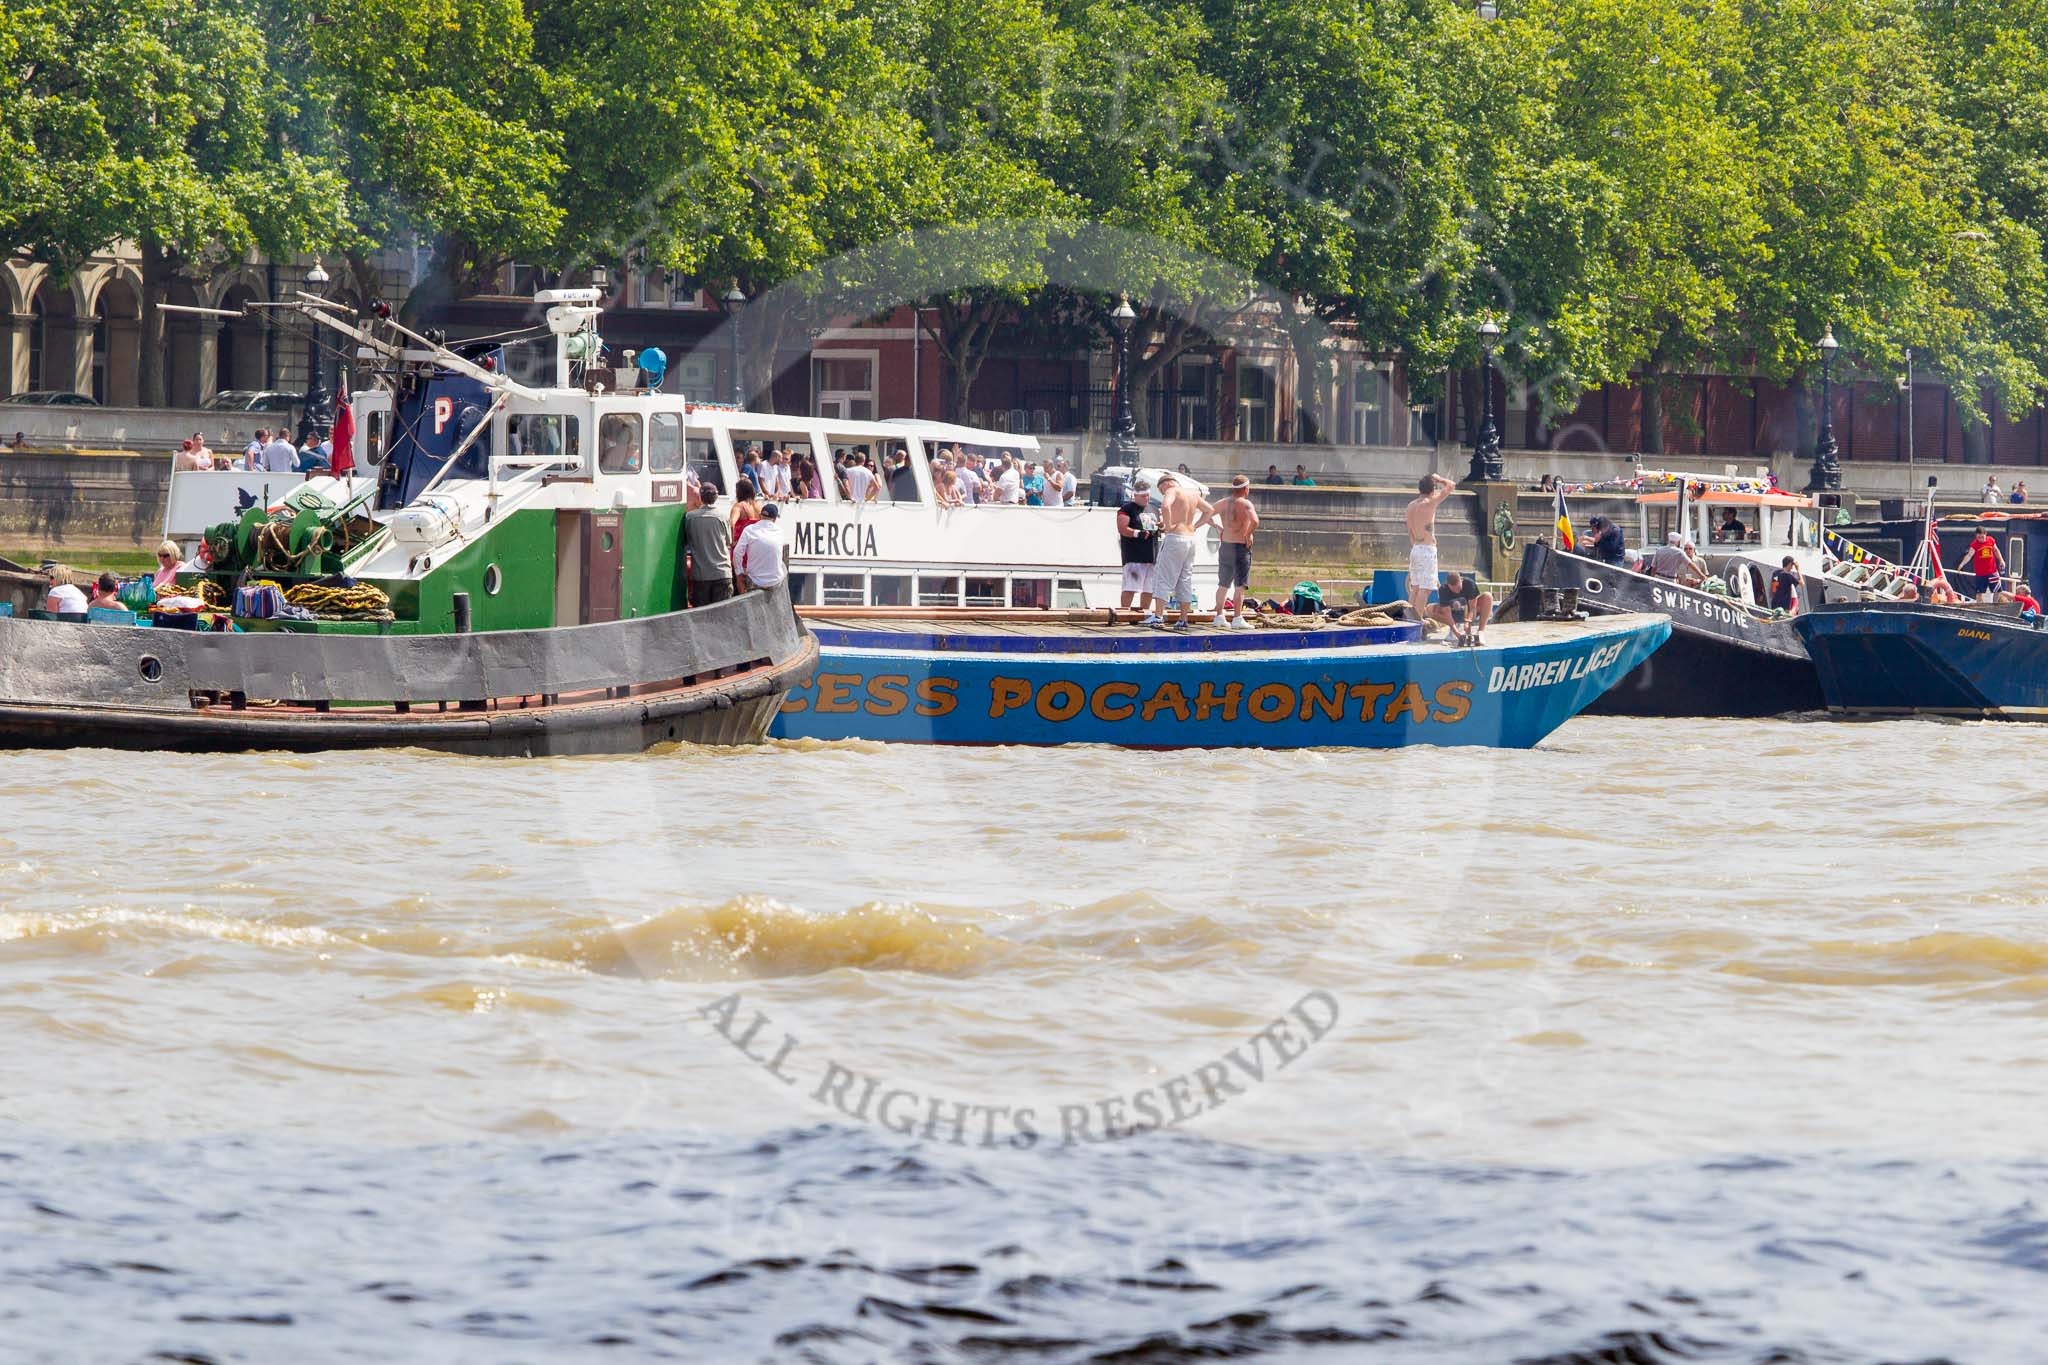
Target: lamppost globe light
point(1489, 331)
point(1828, 344)
point(318, 274)
point(1123, 315)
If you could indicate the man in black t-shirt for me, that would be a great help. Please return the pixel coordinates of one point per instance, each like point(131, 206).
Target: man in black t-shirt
point(1463, 607)
point(1137, 529)
point(1785, 586)
point(1608, 545)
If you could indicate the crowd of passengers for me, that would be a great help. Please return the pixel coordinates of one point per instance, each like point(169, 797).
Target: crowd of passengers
point(960, 478)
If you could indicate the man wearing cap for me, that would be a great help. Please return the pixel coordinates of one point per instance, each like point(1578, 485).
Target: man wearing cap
point(1137, 529)
point(757, 557)
point(1181, 515)
point(1677, 561)
point(1239, 520)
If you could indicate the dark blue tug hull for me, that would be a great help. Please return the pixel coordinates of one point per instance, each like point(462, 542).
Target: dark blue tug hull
point(1898, 658)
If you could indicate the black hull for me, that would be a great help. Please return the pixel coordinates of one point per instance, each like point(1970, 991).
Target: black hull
point(714, 675)
point(1719, 662)
point(1893, 659)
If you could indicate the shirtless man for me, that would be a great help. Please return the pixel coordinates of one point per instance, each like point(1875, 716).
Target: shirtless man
point(1422, 541)
point(1239, 520)
point(1181, 514)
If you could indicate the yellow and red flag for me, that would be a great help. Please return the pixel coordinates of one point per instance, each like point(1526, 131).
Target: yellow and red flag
point(1565, 539)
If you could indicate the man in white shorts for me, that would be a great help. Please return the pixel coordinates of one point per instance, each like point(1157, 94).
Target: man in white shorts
point(1137, 530)
point(1181, 515)
point(1422, 541)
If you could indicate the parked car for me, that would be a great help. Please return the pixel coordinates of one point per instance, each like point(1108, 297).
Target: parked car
point(51, 398)
point(254, 400)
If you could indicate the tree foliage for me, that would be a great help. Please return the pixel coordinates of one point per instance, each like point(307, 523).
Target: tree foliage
point(1633, 188)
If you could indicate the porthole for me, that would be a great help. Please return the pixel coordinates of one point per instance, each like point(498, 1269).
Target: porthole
point(605, 541)
point(1594, 585)
point(150, 669)
point(493, 581)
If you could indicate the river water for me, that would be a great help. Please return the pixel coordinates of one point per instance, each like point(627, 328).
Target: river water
point(1666, 1041)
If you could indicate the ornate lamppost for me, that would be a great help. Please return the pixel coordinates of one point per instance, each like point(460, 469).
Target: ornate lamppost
point(735, 304)
point(1827, 469)
point(1486, 465)
point(1123, 431)
point(316, 418)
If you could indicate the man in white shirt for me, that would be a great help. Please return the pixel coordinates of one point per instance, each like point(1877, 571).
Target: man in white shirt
point(280, 456)
point(1060, 484)
point(777, 474)
point(757, 557)
point(860, 482)
point(1009, 483)
point(968, 476)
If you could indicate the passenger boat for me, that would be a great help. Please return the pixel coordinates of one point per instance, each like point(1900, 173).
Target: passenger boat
point(466, 595)
point(1072, 678)
point(1730, 654)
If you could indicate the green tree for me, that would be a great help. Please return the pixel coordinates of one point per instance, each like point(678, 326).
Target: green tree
point(436, 112)
point(160, 123)
point(736, 144)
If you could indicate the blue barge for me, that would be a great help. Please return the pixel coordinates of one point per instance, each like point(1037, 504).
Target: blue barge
point(1912, 658)
point(1026, 678)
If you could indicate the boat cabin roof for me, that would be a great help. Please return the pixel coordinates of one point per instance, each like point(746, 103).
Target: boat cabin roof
point(1710, 498)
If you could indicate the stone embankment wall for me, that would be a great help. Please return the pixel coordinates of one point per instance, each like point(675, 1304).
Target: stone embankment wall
point(94, 501)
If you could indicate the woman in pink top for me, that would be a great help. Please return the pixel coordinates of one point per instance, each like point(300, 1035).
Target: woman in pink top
point(167, 566)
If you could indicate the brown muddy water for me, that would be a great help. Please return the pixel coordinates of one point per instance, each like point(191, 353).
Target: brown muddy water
point(1667, 1041)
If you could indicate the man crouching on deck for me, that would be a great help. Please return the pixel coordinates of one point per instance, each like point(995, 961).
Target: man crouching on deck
point(1463, 607)
point(1422, 541)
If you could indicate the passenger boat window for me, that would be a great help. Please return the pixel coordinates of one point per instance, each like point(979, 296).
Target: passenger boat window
point(985, 592)
point(665, 443)
point(775, 465)
point(618, 443)
point(1070, 593)
point(856, 473)
point(548, 433)
point(899, 476)
point(845, 590)
point(889, 590)
point(374, 436)
point(704, 460)
point(938, 592)
point(1031, 592)
point(2015, 558)
point(803, 589)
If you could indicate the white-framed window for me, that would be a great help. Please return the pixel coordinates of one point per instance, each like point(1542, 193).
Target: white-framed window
point(1254, 402)
point(843, 385)
point(938, 592)
point(692, 377)
point(651, 289)
point(520, 281)
point(1372, 405)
